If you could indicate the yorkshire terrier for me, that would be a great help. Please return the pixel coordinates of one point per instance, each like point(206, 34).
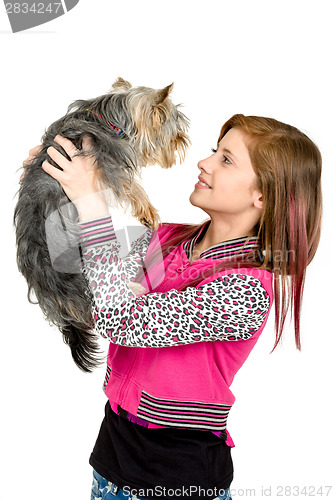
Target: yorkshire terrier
point(129, 128)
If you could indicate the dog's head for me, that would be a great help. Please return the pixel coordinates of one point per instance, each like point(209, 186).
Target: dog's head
point(151, 124)
point(159, 129)
point(154, 125)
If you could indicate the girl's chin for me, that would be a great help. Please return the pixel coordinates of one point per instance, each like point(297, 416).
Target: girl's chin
point(194, 202)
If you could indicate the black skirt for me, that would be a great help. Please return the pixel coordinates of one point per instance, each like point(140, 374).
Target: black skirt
point(155, 460)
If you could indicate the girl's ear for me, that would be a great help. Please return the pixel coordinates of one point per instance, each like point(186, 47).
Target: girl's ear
point(258, 201)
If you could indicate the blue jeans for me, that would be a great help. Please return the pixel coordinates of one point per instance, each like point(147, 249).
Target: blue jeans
point(105, 490)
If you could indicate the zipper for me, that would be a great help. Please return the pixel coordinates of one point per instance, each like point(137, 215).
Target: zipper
point(131, 369)
point(182, 268)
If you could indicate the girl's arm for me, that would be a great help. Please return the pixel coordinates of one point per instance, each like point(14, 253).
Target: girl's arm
point(231, 307)
point(220, 310)
point(100, 232)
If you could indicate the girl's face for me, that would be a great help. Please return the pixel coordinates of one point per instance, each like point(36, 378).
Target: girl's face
point(229, 173)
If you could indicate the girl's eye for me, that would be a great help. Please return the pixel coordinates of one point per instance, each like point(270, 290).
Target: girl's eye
point(225, 158)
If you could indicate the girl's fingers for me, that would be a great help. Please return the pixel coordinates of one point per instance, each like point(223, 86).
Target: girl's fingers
point(58, 157)
point(136, 287)
point(87, 143)
point(27, 161)
point(66, 144)
point(53, 171)
point(34, 151)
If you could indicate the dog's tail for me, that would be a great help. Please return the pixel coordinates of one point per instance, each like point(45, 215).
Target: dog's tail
point(84, 347)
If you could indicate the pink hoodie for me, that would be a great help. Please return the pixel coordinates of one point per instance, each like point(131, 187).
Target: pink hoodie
point(173, 355)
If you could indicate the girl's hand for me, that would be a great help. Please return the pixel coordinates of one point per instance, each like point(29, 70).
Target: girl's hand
point(136, 287)
point(77, 178)
point(32, 153)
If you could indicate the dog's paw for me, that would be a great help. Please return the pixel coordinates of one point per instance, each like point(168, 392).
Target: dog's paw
point(149, 217)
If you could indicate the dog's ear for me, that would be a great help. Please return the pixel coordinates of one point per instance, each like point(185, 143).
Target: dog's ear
point(120, 83)
point(162, 94)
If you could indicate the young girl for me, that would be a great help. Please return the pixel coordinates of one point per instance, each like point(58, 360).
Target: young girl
point(205, 296)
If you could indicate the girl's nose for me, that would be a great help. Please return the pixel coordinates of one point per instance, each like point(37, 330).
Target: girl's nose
point(205, 165)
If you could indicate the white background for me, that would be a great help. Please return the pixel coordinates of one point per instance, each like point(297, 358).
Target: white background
point(253, 57)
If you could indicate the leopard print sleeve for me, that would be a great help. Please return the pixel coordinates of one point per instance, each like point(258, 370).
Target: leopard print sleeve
point(135, 258)
point(100, 231)
point(231, 307)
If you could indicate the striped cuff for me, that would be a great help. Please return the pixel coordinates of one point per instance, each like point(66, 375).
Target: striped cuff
point(96, 232)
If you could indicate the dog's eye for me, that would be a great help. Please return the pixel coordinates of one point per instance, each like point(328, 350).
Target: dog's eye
point(214, 150)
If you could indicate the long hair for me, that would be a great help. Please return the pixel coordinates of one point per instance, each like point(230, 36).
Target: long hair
point(287, 165)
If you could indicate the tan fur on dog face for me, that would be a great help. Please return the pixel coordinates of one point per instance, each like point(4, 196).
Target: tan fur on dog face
point(161, 127)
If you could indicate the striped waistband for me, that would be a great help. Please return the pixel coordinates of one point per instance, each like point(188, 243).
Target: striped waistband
point(188, 415)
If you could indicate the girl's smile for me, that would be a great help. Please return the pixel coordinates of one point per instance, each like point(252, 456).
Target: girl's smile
point(200, 185)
